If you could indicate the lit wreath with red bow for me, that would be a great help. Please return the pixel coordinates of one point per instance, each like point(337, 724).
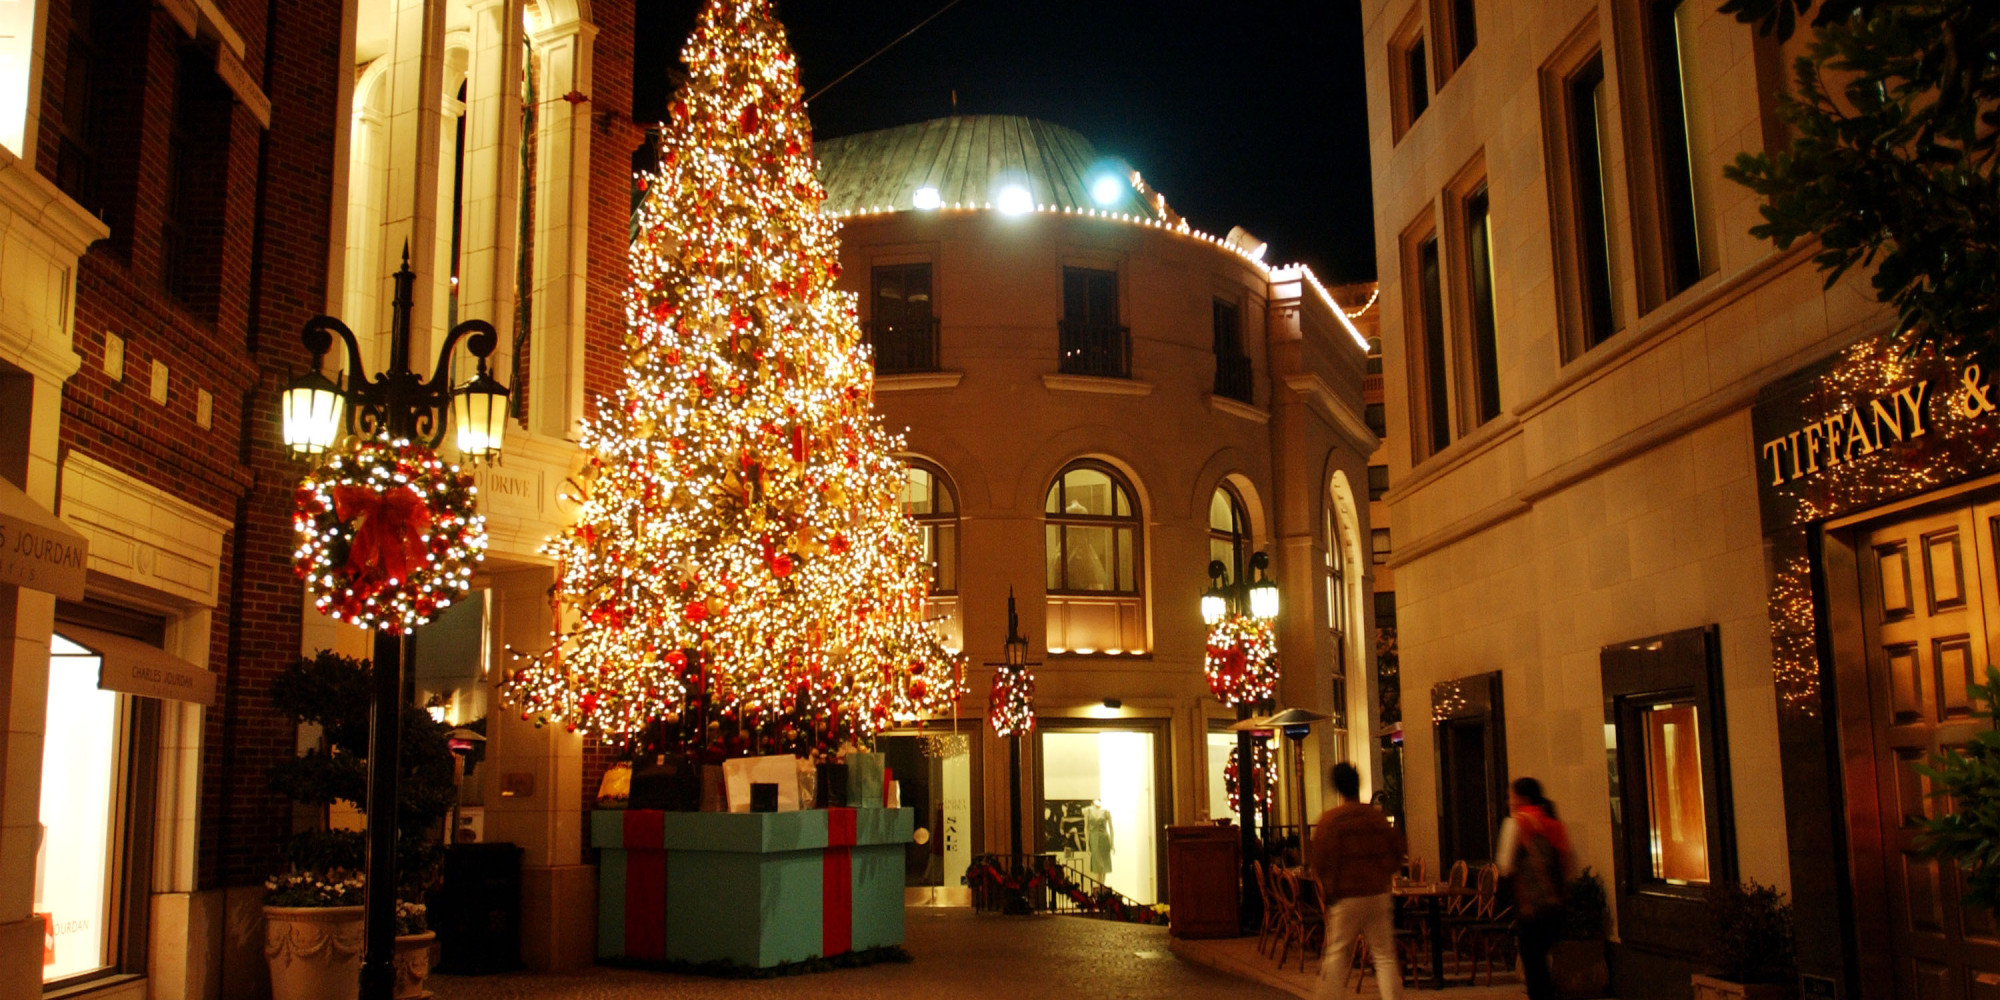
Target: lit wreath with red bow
point(1264, 761)
point(1010, 706)
point(387, 534)
point(1242, 660)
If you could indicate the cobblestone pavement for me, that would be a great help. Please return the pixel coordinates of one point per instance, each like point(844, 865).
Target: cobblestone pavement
point(956, 953)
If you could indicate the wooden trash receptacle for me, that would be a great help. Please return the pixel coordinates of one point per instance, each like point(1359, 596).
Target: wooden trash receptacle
point(1202, 863)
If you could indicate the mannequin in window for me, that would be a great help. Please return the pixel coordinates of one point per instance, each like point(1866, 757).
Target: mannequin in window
point(1097, 836)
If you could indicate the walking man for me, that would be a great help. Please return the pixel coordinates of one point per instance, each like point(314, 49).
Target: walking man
point(1356, 854)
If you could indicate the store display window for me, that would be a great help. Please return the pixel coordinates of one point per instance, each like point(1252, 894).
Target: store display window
point(79, 788)
point(1099, 814)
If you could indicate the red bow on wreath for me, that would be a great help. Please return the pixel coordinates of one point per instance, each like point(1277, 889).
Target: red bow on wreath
point(388, 533)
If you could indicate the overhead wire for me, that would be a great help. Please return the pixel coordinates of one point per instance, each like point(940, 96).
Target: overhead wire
point(814, 96)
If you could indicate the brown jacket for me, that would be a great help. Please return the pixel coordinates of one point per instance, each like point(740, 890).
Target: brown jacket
point(1355, 851)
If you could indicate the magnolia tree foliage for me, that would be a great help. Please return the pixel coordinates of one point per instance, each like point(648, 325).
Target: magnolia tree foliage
point(740, 548)
point(1894, 111)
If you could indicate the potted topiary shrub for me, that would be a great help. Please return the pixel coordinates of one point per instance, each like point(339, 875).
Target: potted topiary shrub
point(1749, 929)
point(313, 913)
point(1966, 778)
point(1578, 960)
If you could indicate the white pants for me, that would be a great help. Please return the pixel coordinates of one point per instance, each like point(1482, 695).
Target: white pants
point(1373, 918)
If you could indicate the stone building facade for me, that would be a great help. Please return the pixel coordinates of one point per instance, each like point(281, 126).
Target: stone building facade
point(1041, 316)
point(1601, 581)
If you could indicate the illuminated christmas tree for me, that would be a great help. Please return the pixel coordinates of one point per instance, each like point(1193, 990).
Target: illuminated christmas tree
point(740, 565)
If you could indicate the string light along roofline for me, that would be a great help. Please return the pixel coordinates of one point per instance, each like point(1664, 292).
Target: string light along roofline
point(1277, 274)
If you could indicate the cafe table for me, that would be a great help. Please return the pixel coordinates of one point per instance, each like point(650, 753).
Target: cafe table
point(1433, 896)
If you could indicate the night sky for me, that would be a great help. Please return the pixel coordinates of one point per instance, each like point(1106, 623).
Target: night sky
point(1243, 114)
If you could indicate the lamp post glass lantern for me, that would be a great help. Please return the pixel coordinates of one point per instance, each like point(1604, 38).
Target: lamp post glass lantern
point(406, 406)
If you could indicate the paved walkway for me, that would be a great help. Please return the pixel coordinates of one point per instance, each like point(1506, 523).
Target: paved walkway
point(957, 953)
point(1239, 957)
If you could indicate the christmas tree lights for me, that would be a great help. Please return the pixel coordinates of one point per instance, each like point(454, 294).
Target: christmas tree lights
point(739, 549)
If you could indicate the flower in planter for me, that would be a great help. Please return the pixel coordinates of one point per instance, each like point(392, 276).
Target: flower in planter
point(338, 887)
point(410, 918)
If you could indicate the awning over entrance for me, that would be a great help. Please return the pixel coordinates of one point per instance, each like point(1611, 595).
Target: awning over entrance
point(36, 549)
point(134, 667)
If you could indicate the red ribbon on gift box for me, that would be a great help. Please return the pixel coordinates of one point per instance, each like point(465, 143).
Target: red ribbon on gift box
point(837, 884)
point(644, 841)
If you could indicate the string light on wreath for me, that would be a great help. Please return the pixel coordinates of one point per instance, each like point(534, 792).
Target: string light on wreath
point(387, 534)
point(1242, 662)
point(1011, 705)
point(1266, 765)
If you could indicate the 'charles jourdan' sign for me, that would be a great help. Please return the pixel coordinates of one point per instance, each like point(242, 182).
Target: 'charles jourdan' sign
point(37, 550)
point(1868, 424)
point(134, 667)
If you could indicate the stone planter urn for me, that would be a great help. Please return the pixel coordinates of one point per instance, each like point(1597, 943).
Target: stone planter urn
point(314, 952)
point(1711, 988)
point(412, 961)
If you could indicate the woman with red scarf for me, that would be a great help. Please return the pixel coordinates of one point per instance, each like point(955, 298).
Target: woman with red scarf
point(1534, 853)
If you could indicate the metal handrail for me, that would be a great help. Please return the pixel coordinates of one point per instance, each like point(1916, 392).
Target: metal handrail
point(903, 346)
point(1233, 378)
point(1096, 349)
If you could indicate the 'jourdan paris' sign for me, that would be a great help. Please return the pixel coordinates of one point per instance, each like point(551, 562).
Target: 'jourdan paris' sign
point(37, 550)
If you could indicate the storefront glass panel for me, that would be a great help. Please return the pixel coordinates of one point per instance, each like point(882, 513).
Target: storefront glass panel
point(1221, 750)
point(939, 790)
point(1673, 782)
point(79, 795)
point(1098, 811)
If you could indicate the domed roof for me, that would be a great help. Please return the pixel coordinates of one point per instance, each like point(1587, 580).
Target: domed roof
point(969, 160)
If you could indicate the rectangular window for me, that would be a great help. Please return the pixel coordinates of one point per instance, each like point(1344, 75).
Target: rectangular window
point(76, 126)
point(1485, 352)
point(1092, 341)
point(1416, 75)
point(1677, 823)
point(1379, 542)
point(1232, 363)
point(1464, 30)
point(1377, 419)
point(901, 325)
point(1409, 73)
point(1686, 236)
point(1432, 406)
point(191, 232)
point(1457, 32)
point(1588, 224)
point(1385, 609)
point(1378, 481)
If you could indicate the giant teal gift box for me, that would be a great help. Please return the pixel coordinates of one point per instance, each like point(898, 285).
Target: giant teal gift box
point(749, 889)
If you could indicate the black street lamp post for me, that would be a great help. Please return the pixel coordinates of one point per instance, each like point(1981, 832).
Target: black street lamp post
point(1015, 659)
point(406, 406)
point(1260, 598)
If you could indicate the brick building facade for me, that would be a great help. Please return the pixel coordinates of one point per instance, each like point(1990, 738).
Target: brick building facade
point(225, 151)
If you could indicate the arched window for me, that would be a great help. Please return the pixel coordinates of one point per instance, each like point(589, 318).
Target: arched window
point(1092, 532)
point(1336, 578)
point(928, 499)
point(1228, 533)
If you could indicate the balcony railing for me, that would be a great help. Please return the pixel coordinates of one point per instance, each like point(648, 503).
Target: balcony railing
point(903, 346)
point(1095, 349)
point(1232, 378)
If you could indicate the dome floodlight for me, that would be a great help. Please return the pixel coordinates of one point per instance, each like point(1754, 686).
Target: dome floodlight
point(926, 199)
point(1107, 189)
point(1015, 200)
